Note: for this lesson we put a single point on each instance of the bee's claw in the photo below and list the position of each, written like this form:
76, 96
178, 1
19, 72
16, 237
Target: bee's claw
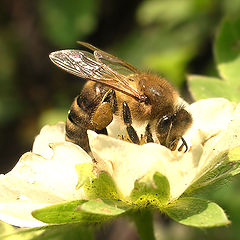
184, 143
174, 144
181, 147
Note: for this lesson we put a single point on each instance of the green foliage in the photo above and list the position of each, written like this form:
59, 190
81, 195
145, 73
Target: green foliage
9, 97
51, 232
227, 164
101, 187
197, 213
187, 210
104, 207
174, 12
144, 223
169, 35
209, 87
68, 212
92, 211
156, 195
64, 22
227, 54
227, 51
52, 116
162, 53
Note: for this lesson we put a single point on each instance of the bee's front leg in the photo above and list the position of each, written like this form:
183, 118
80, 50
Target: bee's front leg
127, 118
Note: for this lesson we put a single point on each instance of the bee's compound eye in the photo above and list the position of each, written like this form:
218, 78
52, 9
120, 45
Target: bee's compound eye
164, 124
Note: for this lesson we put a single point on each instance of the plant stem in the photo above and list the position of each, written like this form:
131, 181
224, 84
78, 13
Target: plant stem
144, 223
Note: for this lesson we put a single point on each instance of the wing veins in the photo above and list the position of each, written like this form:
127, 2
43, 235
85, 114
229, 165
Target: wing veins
86, 65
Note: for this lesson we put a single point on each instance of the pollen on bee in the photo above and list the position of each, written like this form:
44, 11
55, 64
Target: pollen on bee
126, 138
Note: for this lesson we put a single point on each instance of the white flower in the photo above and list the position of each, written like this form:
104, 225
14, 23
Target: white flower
47, 174
42, 177
214, 119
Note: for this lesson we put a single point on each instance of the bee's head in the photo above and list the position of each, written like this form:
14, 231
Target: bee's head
170, 128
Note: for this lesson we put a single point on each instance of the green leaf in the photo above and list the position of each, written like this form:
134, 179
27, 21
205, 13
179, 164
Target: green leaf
197, 213
53, 232
144, 194
225, 165
163, 54
172, 61
150, 12
64, 22
104, 207
101, 187
227, 52
68, 212
208, 87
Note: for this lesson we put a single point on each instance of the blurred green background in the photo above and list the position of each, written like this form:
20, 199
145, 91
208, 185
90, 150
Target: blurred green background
171, 37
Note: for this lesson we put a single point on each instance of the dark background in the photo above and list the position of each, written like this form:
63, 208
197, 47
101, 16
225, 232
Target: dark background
171, 37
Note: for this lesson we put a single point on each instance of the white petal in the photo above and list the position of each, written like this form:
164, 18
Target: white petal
36, 182
48, 134
228, 139
210, 117
127, 162
120, 159
19, 215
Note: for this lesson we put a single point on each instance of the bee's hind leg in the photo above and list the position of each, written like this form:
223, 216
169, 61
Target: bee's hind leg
127, 118
103, 114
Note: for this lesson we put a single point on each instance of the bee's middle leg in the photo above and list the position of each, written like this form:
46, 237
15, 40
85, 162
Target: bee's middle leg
148, 134
127, 118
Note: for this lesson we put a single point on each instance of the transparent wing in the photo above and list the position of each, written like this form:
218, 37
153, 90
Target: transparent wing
91, 66
109, 57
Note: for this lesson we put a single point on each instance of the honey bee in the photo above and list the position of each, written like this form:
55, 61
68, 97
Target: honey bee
119, 92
